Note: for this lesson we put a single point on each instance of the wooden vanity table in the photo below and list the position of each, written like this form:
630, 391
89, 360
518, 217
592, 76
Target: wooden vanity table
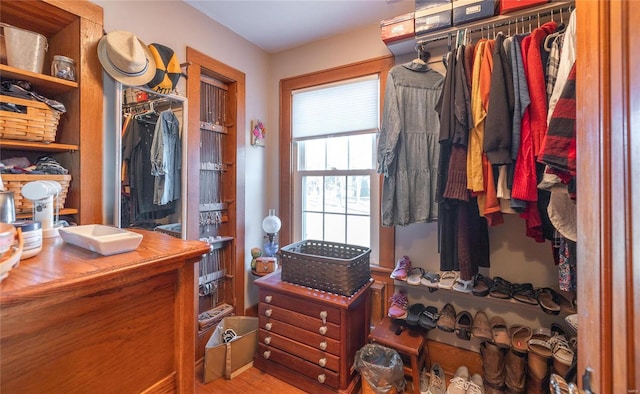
74, 321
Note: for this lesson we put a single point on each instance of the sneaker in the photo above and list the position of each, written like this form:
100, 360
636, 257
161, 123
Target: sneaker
403, 267
399, 304
475, 385
460, 381
434, 381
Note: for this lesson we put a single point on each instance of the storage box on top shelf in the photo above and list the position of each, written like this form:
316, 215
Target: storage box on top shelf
465, 11
435, 17
424, 4
507, 6
398, 28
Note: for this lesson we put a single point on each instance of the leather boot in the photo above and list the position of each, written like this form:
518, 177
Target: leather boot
493, 367
515, 371
537, 385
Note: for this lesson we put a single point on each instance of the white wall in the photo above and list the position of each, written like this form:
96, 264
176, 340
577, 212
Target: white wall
177, 25
174, 24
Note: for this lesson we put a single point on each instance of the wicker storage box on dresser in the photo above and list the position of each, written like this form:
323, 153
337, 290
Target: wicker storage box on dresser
308, 337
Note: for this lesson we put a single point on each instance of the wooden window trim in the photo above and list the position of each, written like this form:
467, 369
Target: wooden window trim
380, 66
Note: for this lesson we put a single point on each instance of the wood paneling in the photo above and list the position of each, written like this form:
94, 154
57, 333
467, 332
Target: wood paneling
73, 320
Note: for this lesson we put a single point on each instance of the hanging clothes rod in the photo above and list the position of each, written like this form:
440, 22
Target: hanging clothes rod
488, 25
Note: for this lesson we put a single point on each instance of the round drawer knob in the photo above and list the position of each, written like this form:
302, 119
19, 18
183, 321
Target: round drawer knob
323, 316
268, 312
321, 378
322, 362
323, 330
266, 354
323, 346
268, 299
268, 326
267, 340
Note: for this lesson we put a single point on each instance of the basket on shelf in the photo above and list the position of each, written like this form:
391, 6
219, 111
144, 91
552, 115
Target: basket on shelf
333, 267
14, 183
39, 123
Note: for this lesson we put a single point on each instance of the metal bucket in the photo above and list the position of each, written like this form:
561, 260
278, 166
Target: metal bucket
25, 49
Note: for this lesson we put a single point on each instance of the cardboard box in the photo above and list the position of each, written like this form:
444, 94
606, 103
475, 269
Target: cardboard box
397, 28
433, 18
465, 11
229, 359
507, 6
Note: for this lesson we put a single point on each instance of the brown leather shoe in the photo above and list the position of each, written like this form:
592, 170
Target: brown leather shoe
492, 366
481, 329
464, 321
447, 320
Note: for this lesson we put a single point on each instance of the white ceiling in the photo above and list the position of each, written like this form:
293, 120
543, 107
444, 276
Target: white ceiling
279, 25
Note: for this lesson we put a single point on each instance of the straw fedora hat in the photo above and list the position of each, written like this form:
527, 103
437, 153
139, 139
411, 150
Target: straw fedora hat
126, 58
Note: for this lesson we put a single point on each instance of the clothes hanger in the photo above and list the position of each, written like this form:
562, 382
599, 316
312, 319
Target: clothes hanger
423, 56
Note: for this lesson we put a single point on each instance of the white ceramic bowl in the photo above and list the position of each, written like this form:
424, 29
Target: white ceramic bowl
98, 238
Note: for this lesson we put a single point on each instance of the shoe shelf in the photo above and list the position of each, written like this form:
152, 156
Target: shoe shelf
513, 311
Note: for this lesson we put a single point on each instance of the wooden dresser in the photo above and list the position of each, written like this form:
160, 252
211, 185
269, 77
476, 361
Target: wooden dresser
309, 338
75, 321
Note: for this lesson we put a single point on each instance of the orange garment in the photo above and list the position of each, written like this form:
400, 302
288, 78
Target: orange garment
476, 134
491, 205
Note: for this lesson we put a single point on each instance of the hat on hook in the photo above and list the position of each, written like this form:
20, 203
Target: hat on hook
562, 212
168, 69
126, 58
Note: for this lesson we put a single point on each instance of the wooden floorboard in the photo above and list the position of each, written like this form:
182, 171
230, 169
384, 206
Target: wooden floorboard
249, 382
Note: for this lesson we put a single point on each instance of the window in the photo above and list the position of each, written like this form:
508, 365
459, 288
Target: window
334, 136
329, 186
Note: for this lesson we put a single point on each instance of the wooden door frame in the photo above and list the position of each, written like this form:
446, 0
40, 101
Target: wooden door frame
608, 126
201, 64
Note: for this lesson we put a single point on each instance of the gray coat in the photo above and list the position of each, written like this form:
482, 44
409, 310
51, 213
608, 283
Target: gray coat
408, 147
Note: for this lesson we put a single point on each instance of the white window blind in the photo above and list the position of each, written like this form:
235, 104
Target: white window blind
344, 107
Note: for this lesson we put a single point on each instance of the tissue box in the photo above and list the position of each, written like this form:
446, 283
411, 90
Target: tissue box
465, 11
432, 18
397, 28
514, 5
229, 359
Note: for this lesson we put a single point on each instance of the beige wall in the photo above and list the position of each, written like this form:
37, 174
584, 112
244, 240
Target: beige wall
173, 23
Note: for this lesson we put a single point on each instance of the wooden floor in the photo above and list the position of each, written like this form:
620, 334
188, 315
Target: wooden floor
249, 382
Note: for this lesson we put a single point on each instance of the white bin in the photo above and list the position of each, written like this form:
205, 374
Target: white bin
25, 49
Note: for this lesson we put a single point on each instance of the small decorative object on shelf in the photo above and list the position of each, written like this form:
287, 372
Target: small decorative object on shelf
271, 225
255, 253
258, 133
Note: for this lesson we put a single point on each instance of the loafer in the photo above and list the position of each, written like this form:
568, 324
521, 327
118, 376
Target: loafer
499, 332
447, 320
480, 328
464, 321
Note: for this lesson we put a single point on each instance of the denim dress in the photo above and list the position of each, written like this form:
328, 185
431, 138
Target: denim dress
408, 147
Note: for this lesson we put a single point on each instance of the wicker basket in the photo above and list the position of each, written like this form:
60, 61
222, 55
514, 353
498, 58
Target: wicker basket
40, 123
14, 183
333, 267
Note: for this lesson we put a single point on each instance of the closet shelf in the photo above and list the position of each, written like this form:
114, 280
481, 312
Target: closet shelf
486, 300
45, 85
40, 146
526, 16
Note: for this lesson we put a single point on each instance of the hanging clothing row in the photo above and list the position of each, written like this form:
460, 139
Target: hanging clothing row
502, 146
151, 165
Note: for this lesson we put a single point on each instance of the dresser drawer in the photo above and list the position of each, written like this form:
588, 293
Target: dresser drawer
322, 376
288, 345
308, 323
313, 339
319, 311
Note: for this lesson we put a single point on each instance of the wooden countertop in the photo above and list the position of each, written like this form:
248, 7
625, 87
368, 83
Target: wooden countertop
62, 267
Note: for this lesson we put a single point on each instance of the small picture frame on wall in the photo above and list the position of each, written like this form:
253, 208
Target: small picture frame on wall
258, 133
